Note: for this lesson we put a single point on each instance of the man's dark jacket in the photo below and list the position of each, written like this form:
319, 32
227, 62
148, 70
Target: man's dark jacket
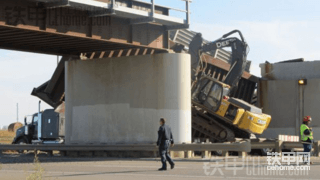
164, 134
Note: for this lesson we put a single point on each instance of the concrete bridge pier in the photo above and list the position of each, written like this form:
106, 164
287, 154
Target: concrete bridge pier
120, 100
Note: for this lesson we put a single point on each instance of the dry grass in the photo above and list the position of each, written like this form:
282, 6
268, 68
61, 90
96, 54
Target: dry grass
38, 170
6, 137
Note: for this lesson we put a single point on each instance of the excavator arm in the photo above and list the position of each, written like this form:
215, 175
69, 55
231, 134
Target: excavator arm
238, 55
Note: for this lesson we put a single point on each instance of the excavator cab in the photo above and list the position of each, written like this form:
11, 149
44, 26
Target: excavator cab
210, 92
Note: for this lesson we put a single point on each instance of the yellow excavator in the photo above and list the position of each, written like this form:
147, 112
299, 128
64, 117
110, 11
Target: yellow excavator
215, 114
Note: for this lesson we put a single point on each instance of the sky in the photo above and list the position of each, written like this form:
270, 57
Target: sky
275, 30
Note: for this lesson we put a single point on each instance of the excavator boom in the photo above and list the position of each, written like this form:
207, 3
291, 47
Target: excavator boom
238, 60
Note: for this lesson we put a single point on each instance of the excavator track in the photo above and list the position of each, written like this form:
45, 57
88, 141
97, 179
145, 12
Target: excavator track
207, 126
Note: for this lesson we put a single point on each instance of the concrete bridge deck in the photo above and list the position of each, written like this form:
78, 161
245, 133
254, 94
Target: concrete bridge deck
70, 27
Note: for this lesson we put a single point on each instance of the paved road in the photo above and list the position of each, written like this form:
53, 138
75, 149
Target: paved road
15, 167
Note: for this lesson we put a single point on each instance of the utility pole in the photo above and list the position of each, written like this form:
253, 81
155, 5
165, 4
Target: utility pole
17, 112
57, 60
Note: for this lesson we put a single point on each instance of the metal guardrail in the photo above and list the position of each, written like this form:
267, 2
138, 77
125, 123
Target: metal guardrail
118, 7
261, 145
279, 145
243, 146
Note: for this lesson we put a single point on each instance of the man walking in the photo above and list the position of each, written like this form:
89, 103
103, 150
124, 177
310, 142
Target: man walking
164, 140
306, 135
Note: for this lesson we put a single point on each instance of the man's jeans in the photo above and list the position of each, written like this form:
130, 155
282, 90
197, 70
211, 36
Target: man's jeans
163, 151
307, 147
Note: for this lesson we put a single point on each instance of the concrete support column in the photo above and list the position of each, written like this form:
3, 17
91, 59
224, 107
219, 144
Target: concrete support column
317, 148
206, 154
120, 100
225, 154
188, 154
279, 146
242, 154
